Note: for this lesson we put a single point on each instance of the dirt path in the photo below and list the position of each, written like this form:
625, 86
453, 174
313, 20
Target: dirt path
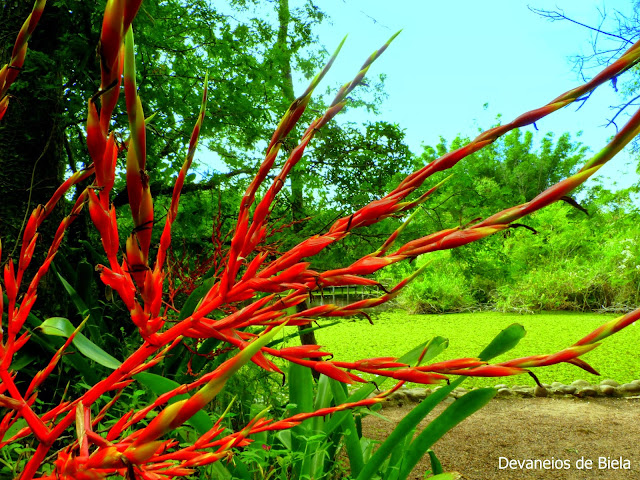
562, 431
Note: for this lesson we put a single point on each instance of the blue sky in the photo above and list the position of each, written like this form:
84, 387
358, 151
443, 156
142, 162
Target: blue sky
453, 57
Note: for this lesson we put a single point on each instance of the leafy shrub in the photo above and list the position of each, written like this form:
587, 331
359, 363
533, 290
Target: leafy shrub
443, 288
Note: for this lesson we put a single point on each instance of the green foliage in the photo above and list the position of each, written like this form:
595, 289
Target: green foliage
563, 260
442, 288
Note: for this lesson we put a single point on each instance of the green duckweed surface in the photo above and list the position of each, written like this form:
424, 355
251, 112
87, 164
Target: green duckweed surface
394, 333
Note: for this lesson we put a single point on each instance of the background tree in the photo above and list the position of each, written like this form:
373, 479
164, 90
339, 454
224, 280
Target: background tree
614, 33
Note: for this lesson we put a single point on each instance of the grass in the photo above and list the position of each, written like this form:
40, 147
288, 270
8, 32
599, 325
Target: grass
395, 333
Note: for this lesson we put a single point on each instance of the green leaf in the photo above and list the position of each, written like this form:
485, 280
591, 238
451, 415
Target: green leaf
160, 385
15, 428
285, 437
346, 421
62, 327
504, 341
301, 394
49, 344
82, 277
436, 466
452, 416
198, 294
77, 301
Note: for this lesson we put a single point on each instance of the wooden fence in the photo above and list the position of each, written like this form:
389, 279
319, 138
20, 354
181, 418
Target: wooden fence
349, 294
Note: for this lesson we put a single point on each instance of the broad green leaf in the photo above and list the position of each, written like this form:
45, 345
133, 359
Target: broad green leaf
395, 460
62, 327
49, 344
160, 385
452, 416
503, 342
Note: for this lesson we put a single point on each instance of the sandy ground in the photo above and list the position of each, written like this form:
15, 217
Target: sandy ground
568, 432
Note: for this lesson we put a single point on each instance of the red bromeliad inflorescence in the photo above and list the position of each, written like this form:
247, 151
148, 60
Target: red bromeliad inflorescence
133, 446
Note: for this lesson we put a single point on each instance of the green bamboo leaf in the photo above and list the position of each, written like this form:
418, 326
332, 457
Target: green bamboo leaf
160, 385
62, 327
452, 416
285, 437
503, 342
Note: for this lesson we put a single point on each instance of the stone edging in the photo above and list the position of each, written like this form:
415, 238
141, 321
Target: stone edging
579, 388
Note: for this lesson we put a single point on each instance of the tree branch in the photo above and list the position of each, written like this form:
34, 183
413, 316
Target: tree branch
122, 198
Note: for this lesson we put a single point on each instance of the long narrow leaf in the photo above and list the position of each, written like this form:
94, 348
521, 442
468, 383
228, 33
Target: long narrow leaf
452, 416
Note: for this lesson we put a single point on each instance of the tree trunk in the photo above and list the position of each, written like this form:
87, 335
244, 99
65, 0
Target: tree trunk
297, 184
31, 132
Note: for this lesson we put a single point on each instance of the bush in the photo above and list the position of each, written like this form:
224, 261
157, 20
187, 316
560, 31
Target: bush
442, 288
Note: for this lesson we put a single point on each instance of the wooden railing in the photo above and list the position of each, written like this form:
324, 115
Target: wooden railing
349, 294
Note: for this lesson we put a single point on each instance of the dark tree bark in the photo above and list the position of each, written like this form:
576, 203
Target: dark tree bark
31, 133
297, 199
31, 140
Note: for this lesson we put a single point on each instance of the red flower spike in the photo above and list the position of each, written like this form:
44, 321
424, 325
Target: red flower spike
112, 34
610, 328
304, 351
10, 285
1, 316
96, 136
489, 371
32, 225
100, 218
121, 283
451, 364
380, 362
27, 254
137, 267
4, 103
334, 372
413, 375
583, 365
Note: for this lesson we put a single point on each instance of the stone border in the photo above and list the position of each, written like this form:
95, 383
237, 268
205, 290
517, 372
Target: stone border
578, 388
